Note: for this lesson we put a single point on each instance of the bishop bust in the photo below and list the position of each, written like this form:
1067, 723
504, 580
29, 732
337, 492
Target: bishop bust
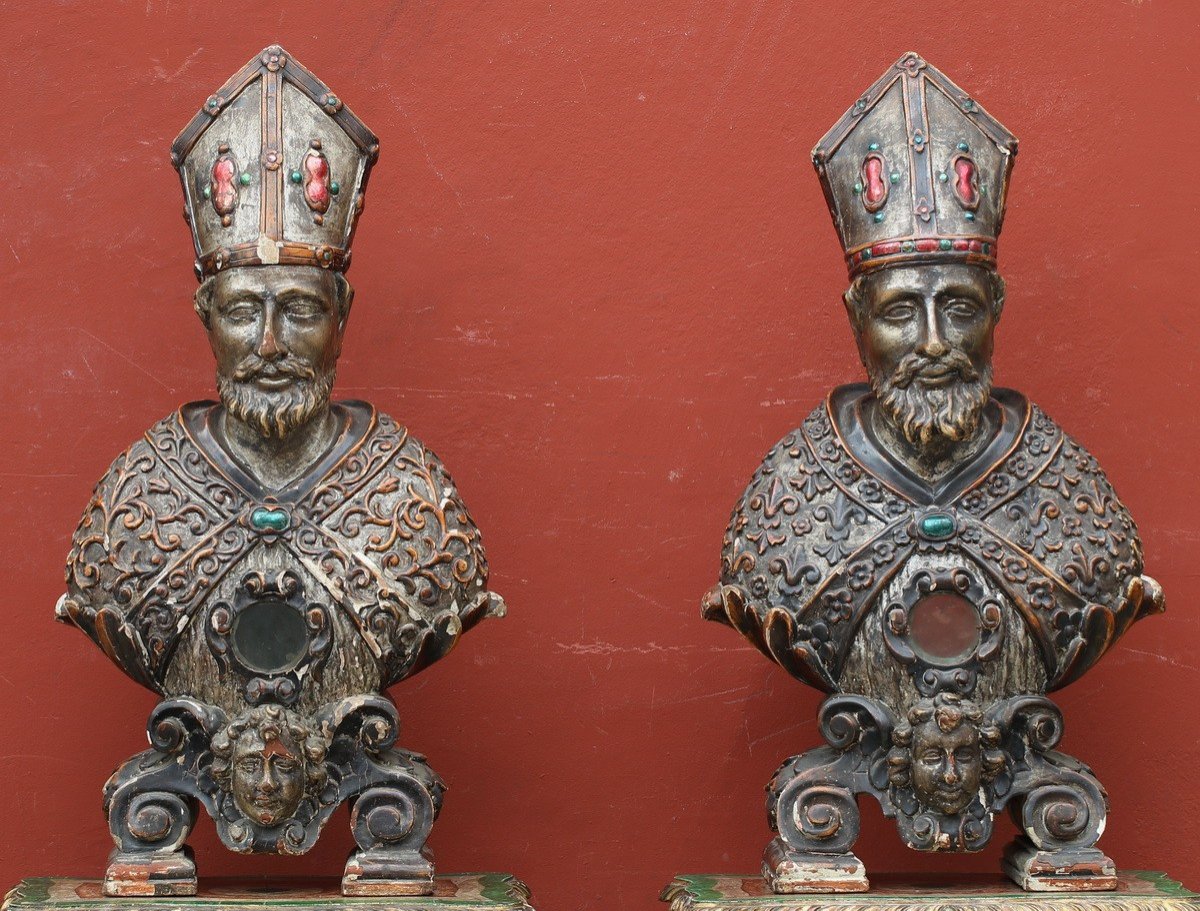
933, 552
271, 562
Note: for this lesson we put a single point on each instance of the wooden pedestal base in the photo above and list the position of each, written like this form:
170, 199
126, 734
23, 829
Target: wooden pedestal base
389, 872
1133, 891
1078, 870
451, 892
789, 872
168, 873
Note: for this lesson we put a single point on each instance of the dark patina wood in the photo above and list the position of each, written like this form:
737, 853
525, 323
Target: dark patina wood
270, 563
933, 552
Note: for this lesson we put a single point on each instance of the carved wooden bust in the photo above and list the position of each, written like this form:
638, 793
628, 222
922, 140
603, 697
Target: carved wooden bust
271, 562
935, 553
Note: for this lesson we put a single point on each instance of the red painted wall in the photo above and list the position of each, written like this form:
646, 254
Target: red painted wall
597, 276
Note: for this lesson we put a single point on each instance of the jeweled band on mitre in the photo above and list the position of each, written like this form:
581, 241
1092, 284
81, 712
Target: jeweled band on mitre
882, 253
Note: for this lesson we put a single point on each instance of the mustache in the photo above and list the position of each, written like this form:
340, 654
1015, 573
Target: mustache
278, 412
252, 366
913, 364
924, 414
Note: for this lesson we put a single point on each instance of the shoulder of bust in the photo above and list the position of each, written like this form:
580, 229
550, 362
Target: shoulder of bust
1068, 514
1039, 420
1072, 457
1043, 427
139, 456
408, 454
387, 429
816, 425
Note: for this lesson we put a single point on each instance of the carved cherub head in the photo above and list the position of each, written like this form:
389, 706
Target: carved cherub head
944, 752
925, 334
269, 759
276, 332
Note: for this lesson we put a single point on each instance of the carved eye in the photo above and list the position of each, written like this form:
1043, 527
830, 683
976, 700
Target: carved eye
303, 310
240, 313
251, 764
964, 754
898, 312
962, 307
931, 757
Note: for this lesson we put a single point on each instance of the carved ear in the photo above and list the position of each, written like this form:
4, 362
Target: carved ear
998, 292
345, 297
852, 299
202, 302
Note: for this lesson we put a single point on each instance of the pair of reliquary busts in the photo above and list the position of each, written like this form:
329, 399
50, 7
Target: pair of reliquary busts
934, 553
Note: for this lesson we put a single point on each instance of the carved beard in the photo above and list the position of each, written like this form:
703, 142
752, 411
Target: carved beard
275, 412
924, 413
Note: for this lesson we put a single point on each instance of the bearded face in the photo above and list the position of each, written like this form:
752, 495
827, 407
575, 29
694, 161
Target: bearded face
275, 411
928, 399
276, 332
925, 336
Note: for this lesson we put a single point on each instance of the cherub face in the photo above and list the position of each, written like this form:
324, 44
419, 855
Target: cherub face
947, 766
267, 779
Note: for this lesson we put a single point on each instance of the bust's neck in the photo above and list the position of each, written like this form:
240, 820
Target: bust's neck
936, 459
277, 461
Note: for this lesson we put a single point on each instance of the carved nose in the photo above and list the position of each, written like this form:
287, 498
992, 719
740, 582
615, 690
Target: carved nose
951, 775
268, 347
935, 347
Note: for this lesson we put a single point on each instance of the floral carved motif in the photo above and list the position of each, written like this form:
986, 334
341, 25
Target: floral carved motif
384, 532
818, 532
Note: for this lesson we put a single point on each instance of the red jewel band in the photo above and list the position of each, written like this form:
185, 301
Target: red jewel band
889, 252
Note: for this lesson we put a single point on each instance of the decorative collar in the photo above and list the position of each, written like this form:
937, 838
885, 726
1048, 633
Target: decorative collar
355, 420
1008, 410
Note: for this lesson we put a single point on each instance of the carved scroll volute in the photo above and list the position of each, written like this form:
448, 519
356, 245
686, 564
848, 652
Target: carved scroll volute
811, 800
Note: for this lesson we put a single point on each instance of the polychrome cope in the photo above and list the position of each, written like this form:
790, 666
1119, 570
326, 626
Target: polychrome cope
373, 544
829, 523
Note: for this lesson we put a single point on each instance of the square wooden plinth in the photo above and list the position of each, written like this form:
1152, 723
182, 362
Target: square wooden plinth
452, 892
1136, 891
